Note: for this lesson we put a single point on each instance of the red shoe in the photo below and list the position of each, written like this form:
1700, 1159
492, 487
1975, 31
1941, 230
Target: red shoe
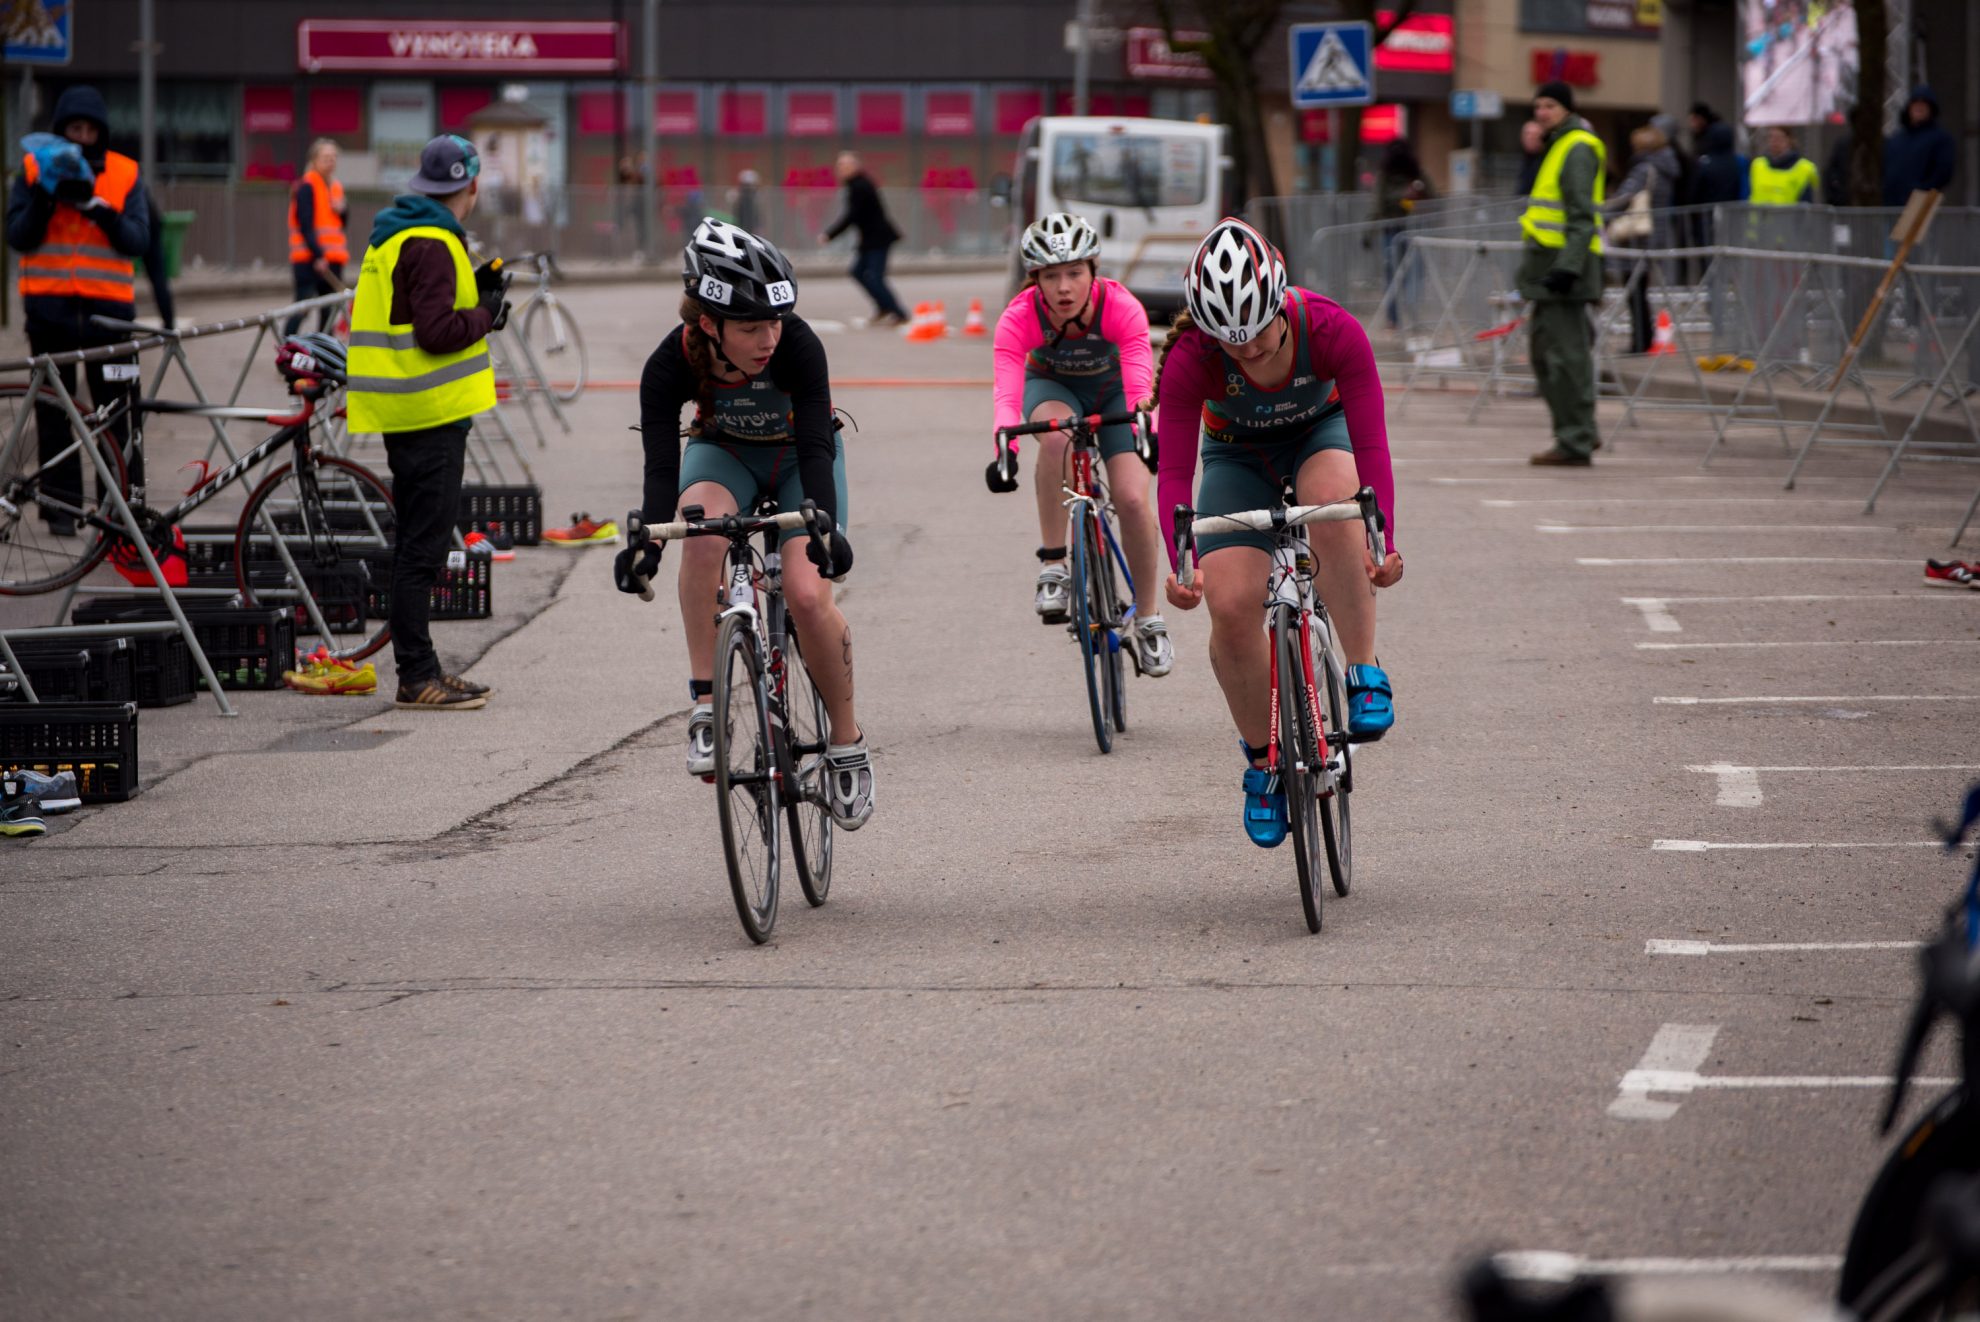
124, 558
1951, 574
480, 545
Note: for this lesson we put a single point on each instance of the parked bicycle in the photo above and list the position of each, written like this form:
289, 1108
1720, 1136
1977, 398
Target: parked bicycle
1100, 613
549, 330
1309, 751
314, 516
771, 732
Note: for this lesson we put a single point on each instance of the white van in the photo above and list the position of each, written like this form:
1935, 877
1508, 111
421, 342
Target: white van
1152, 187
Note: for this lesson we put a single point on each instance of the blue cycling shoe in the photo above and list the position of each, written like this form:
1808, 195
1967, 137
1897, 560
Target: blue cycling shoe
1371, 704
1264, 808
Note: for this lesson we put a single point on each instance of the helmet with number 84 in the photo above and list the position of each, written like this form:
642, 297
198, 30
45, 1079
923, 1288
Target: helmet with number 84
1236, 283
1058, 238
736, 275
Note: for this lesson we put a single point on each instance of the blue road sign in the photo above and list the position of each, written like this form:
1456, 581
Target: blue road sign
1333, 64
38, 31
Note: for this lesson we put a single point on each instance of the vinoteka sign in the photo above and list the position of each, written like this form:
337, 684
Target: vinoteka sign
432, 46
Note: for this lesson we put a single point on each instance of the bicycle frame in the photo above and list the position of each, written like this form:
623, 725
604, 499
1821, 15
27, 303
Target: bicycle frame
1087, 497
1292, 608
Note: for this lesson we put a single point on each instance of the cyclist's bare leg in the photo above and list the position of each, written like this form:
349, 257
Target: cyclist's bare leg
1050, 480
825, 637
1234, 581
1128, 480
1340, 556
701, 579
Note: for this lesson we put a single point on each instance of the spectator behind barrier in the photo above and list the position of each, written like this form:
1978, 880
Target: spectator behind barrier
1920, 154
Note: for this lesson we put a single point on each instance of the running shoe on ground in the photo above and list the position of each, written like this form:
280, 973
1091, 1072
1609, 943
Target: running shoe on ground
56, 793
332, 677
701, 741
1950, 574
481, 544
849, 783
1154, 654
1264, 808
1054, 600
18, 815
584, 531
437, 695
1371, 704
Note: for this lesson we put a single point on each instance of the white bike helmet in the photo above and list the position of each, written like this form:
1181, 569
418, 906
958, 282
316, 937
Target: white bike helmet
1058, 238
1236, 283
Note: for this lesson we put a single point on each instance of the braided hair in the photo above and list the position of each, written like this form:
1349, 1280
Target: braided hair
700, 353
1183, 322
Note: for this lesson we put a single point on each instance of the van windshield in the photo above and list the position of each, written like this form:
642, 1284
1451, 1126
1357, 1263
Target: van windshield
1122, 170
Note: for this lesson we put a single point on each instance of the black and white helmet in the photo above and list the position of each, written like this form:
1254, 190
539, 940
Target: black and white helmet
1058, 238
311, 361
1236, 283
736, 274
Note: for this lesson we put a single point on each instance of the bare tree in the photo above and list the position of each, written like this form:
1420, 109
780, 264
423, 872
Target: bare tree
1866, 117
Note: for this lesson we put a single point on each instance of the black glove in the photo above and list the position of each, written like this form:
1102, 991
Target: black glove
490, 275
840, 555
1145, 448
1559, 281
1001, 475
634, 567
495, 303
74, 191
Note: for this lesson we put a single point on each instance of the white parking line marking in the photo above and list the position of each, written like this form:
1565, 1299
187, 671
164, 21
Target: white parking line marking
1701, 846
1709, 527
1662, 946
1657, 617
1871, 697
1676, 1048
1744, 560
1812, 642
1739, 786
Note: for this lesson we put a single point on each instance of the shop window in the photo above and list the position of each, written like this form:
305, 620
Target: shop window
677, 113
879, 113
458, 104
1016, 107
743, 113
811, 113
336, 112
948, 113
598, 112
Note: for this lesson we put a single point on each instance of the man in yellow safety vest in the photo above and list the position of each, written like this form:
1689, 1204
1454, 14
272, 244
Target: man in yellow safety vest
1560, 272
1783, 177
418, 373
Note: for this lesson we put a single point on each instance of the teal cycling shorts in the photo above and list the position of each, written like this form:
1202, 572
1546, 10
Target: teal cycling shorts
748, 471
1104, 396
1247, 475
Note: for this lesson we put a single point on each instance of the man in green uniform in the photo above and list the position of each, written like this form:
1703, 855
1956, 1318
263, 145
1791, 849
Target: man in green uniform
1560, 273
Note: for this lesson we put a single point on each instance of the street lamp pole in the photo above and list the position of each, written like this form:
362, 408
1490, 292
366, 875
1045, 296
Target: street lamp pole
147, 92
649, 133
1083, 58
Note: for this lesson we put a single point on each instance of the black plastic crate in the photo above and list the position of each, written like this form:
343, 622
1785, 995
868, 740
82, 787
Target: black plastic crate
516, 510
464, 589
248, 646
204, 552
79, 670
96, 740
339, 591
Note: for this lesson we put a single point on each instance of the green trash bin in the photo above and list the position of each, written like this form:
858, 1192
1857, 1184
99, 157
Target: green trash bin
174, 243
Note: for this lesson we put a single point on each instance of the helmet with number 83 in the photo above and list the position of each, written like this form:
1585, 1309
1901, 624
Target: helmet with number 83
1236, 283
736, 275
311, 362
1058, 238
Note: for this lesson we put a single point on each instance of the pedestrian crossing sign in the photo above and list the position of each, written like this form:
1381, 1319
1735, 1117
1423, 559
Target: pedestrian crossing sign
1332, 64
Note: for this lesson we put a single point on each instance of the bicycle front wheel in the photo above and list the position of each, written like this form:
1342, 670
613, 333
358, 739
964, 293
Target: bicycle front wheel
49, 536
746, 776
1109, 579
807, 806
1298, 764
559, 350
319, 536
1089, 626
1335, 825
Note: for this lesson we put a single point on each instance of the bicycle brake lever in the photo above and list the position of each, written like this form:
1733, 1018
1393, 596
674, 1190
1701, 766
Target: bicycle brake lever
1185, 545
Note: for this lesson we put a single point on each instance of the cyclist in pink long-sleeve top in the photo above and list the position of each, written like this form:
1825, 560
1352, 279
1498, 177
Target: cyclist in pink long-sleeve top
1274, 383
1073, 344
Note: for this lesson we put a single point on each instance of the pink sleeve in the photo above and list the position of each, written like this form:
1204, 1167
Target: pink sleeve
1186, 383
1341, 351
1017, 336
1125, 322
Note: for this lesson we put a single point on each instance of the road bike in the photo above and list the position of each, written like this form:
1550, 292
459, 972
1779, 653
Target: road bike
1309, 749
1101, 615
771, 730
549, 330
311, 517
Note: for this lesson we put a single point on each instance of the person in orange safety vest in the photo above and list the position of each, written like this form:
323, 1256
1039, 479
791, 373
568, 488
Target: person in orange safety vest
318, 249
77, 231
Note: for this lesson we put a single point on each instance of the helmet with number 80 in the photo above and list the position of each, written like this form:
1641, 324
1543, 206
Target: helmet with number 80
1236, 283
736, 275
1058, 238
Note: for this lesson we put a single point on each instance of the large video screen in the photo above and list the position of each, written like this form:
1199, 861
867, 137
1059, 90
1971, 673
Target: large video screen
1798, 60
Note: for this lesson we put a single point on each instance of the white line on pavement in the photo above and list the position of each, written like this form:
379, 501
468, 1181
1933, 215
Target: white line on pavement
1847, 697
1811, 642
1663, 946
1745, 560
1656, 614
1709, 527
1739, 786
1701, 846
1506, 504
1547, 1265
1676, 1047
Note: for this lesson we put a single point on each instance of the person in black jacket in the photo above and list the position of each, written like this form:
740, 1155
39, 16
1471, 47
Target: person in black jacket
1920, 154
865, 213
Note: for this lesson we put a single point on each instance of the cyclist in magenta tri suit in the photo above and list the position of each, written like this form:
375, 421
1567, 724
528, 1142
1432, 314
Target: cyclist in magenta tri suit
1073, 344
1274, 383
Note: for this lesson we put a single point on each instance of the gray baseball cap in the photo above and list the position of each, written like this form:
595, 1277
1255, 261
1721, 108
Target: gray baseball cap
447, 164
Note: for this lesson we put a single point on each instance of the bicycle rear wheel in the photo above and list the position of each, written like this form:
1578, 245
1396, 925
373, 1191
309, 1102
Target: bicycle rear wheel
559, 350
335, 520
746, 777
1335, 824
1297, 765
807, 810
33, 557
1088, 627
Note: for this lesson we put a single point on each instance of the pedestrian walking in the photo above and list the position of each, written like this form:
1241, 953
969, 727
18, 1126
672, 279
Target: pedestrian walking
1560, 272
866, 213
1641, 205
1920, 154
419, 372
78, 214
318, 249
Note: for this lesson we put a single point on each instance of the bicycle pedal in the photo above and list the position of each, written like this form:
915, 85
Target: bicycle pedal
1370, 737
708, 780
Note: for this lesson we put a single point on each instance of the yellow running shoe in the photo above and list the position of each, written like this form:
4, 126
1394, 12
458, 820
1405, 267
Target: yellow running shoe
584, 531
335, 677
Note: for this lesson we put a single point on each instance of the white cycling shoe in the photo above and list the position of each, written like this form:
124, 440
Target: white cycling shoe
1154, 654
701, 741
849, 783
1054, 600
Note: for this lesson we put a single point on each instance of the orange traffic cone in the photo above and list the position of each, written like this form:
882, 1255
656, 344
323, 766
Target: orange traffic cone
930, 323
973, 323
916, 327
1665, 338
